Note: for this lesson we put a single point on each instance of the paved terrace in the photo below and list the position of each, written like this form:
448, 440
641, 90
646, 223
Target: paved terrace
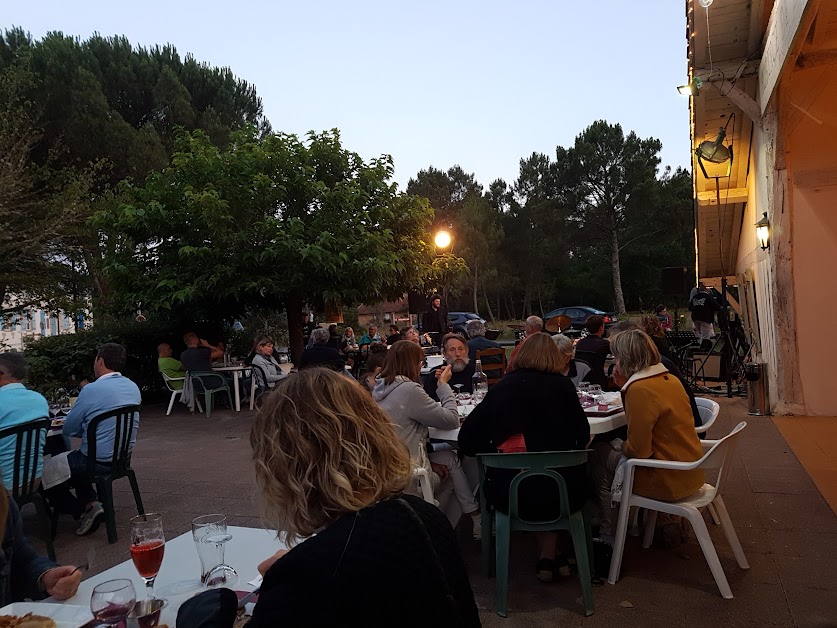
189, 465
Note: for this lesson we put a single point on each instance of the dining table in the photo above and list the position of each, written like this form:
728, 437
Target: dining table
600, 423
179, 576
238, 371
431, 362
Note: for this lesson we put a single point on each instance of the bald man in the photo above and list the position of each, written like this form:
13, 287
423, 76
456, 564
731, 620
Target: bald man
533, 325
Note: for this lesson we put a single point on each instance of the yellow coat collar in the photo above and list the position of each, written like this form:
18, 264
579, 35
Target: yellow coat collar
651, 371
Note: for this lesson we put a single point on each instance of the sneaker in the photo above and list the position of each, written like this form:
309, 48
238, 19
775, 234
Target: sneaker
563, 566
90, 519
546, 570
477, 527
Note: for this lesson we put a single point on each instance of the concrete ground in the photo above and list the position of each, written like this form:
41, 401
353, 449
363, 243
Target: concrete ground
190, 465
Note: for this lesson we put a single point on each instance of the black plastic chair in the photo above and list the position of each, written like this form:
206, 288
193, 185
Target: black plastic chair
120, 462
596, 363
29, 451
262, 386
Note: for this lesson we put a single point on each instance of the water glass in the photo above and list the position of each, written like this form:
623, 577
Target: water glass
113, 600
210, 535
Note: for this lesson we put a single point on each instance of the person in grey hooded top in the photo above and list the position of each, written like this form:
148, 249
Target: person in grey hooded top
412, 411
399, 394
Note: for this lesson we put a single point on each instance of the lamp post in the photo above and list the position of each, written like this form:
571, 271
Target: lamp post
443, 241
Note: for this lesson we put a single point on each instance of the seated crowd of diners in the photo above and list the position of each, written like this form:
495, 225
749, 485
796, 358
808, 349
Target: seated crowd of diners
319, 425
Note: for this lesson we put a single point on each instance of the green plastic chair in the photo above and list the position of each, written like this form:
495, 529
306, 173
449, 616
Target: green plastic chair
210, 383
28, 452
578, 523
120, 462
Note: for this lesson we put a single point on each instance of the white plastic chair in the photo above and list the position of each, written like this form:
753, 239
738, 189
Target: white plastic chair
176, 391
709, 410
420, 474
718, 456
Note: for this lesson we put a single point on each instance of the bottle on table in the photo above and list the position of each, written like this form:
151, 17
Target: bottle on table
480, 382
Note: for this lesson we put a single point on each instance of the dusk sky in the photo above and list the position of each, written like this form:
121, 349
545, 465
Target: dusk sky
479, 84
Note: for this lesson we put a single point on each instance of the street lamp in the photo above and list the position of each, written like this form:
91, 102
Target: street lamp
442, 239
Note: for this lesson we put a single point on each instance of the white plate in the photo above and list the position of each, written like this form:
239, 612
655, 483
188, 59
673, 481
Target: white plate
65, 615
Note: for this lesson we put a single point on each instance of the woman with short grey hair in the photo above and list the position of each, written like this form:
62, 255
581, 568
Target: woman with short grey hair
567, 348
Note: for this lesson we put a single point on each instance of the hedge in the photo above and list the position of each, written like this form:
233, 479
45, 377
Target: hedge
59, 363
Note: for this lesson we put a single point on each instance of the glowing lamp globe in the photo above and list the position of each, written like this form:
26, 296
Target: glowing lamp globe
442, 240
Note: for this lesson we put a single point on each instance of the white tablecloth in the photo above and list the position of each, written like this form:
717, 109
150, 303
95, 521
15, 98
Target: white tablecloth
237, 373
598, 425
432, 362
179, 577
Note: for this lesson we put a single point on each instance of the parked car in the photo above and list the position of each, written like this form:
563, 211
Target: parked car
579, 315
458, 320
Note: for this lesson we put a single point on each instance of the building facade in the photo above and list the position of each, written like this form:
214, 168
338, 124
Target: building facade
33, 323
768, 70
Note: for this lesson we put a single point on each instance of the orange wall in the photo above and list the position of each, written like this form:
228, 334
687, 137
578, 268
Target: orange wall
813, 148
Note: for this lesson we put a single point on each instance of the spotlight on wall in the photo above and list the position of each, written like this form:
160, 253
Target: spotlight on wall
763, 232
692, 88
714, 151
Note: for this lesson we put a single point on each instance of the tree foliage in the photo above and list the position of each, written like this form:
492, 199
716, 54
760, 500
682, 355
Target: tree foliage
79, 117
266, 221
594, 226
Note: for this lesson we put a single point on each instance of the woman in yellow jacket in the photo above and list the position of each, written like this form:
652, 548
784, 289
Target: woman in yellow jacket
660, 426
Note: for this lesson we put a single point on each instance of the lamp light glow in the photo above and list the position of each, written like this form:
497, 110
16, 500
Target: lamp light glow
763, 232
706, 3
692, 88
442, 239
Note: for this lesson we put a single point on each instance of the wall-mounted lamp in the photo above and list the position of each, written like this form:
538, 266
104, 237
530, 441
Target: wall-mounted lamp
763, 232
714, 151
692, 88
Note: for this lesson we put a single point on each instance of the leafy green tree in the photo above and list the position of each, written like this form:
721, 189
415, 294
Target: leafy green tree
102, 111
610, 180
267, 221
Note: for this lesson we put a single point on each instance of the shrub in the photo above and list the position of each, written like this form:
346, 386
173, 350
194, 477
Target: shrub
61, 362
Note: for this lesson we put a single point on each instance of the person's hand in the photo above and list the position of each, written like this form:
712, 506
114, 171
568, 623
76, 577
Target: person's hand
440, 469
61, 582
443, 374
82, 384
268, 563
618, 379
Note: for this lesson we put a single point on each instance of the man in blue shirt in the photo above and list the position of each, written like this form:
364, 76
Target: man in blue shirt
108, 392
17, 405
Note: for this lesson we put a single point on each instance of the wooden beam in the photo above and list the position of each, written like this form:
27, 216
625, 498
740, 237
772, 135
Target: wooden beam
814, 59
812, 179
740, 99
789, 24
755, 36
729, 70
733, 195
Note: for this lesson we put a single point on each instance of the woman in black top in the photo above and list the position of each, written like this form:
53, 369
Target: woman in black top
332, 470
651, 326
533, 408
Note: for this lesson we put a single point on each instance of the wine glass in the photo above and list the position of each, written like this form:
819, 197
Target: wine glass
148, 544
458, 389
112, 601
